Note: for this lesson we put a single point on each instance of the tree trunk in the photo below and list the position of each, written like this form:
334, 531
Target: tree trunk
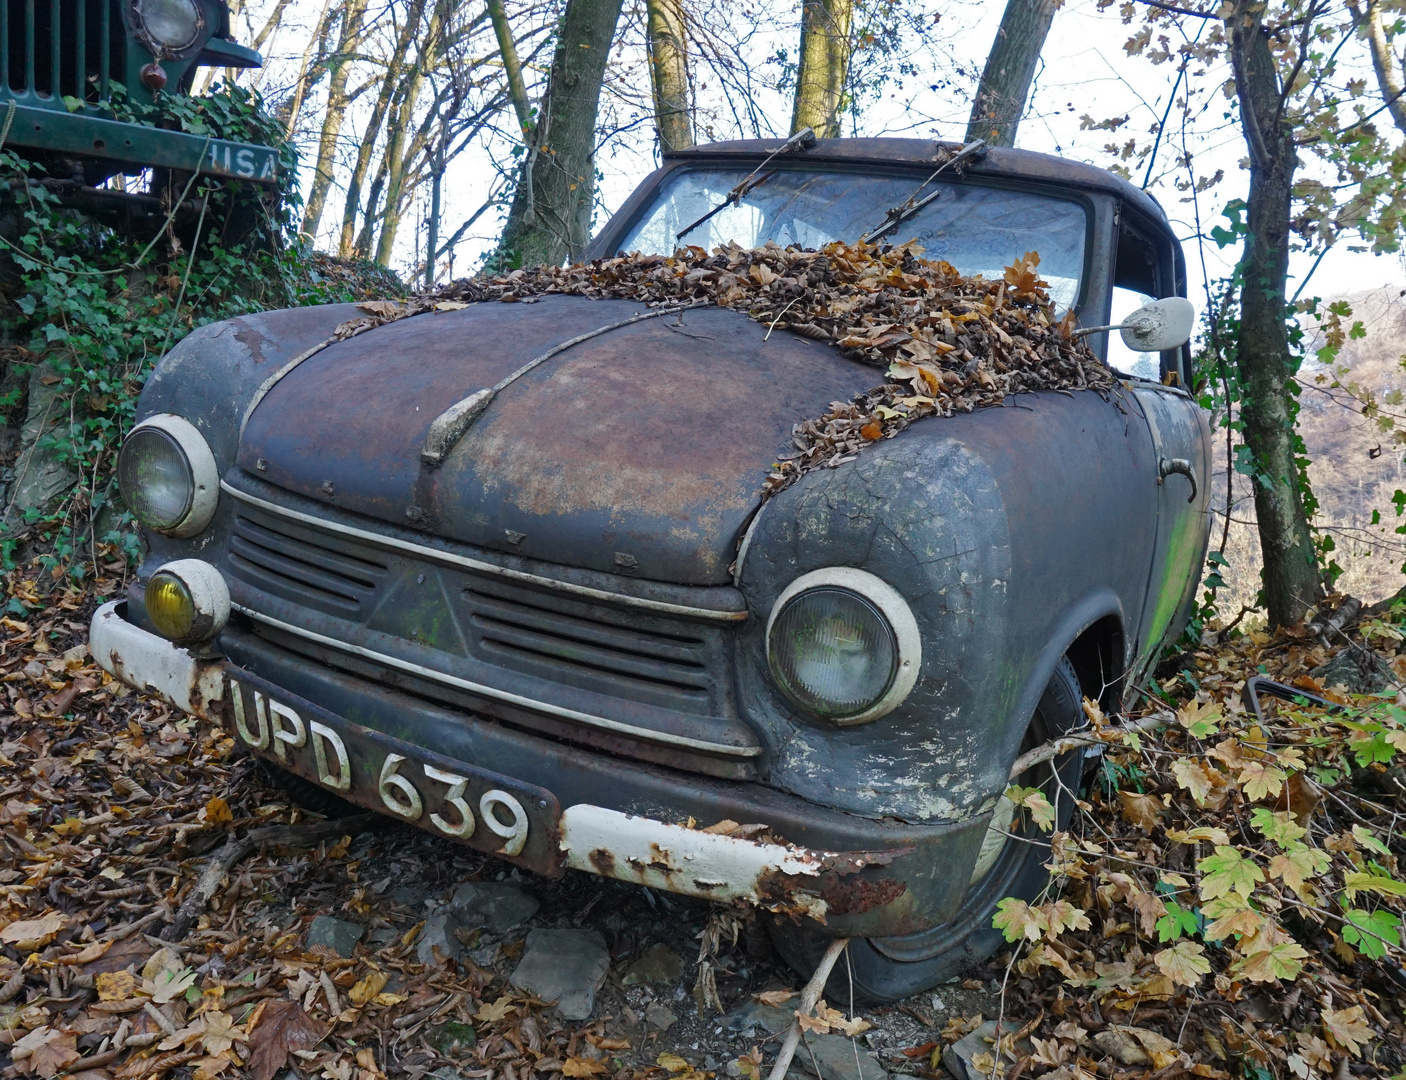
340, 67
1265, 361
1010, 69
309, 74
512, 66
397, 157
550, 219
389, 82
824, 66
1384, 61
668, 66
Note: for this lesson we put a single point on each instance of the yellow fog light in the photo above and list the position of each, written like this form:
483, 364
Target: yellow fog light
187, 601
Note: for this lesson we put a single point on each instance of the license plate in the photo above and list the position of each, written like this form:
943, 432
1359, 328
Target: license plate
455, 799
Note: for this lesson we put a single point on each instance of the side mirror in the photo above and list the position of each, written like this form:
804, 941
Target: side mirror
1162, 324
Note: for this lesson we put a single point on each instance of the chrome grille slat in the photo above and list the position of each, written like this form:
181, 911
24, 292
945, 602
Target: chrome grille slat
610, 662
531, 618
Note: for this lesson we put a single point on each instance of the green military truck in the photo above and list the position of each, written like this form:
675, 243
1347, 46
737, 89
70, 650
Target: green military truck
70, 68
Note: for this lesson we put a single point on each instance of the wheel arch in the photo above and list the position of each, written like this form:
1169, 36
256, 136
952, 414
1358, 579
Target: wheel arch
1091, 634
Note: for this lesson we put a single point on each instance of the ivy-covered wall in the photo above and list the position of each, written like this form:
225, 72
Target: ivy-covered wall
89, 303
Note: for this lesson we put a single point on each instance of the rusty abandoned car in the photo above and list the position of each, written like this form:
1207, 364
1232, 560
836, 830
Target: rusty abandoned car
561, 631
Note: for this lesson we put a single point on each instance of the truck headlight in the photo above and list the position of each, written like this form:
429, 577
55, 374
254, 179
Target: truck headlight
168, 476
843, 645
171, 25
187, 601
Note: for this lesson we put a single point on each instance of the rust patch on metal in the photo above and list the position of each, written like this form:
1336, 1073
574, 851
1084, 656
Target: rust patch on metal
251, 339
856, 895
603, 861
838, 886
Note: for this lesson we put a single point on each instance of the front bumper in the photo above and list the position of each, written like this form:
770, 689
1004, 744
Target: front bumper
579, 809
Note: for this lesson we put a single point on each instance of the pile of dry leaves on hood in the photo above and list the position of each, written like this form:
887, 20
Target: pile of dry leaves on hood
949, 343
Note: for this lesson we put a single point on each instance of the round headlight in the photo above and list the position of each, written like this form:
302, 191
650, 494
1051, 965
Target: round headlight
187, 601
168, 476
843, 645
172, 25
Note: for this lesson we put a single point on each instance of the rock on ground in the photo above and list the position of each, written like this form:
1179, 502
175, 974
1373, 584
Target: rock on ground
437, 942
658, 965
497, 906
339, 936
41, 474
835, 1057
565, 966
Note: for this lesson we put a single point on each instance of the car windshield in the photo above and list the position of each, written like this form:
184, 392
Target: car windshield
979, 230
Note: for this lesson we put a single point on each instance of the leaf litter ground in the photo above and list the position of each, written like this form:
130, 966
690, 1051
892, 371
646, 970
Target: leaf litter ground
1284, 832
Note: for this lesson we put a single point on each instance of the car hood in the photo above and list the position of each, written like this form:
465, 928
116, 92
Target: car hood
640, 451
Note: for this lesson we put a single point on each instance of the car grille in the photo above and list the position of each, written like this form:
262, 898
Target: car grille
62, 48
652, 671
514, 627
303, 566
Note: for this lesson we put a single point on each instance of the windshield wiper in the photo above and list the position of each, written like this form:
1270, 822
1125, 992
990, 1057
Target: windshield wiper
801, 140
912, 205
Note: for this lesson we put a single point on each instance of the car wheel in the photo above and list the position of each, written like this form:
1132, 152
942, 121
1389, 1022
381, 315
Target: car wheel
307, 794
889, 969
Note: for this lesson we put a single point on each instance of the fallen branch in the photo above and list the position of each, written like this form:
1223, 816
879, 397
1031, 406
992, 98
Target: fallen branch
809, 996
1329, 623
1051, 750
235, 851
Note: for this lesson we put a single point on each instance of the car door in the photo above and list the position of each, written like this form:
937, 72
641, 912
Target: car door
1181, 444
1148, 265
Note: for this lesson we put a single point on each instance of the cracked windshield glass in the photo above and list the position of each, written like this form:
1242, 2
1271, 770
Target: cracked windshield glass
979, 230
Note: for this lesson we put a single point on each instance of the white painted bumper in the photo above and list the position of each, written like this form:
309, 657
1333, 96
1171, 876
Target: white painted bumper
595, 839
145, 661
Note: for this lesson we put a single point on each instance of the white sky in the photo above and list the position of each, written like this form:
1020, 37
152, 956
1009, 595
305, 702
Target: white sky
1085, 70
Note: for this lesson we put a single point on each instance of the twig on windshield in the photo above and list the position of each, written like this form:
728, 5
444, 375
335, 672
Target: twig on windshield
800, 140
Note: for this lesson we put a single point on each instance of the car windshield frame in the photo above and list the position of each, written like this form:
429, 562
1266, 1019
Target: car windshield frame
620, 228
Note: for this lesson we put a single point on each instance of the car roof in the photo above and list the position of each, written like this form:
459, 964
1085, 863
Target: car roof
997, 162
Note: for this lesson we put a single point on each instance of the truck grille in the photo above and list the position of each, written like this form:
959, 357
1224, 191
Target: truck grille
62, 48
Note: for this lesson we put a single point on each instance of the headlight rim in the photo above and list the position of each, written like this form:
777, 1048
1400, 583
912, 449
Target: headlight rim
204, 472
890, 605
162, 50
209, 595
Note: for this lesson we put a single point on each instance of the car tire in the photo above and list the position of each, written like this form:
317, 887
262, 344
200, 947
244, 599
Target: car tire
308, 795
890, 969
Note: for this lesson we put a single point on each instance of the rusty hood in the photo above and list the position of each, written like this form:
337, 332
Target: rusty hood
640, 451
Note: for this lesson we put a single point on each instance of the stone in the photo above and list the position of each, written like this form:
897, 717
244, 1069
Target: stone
566, 967
446, 1036
958, 1057
341, 937
496, 905
1357, 672
42, 473
836, 1057
754, 1015
438, 934
384, 935
659, 964
486, 956
658, 1016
